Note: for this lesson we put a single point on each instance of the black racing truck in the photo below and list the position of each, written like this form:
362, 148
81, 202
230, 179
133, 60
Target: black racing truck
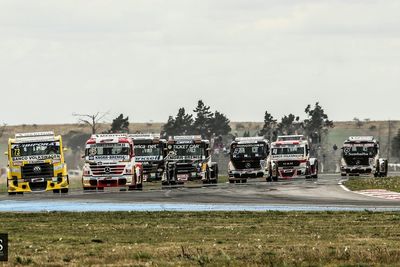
150, 150
248, 158
189, 158
360, 155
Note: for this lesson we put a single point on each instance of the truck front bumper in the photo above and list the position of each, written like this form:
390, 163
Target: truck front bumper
37, 184
112, 181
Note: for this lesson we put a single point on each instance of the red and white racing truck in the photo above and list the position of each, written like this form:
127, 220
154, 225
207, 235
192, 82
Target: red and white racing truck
110, 162
290, 157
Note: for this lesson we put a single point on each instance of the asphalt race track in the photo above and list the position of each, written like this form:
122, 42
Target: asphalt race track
297, 194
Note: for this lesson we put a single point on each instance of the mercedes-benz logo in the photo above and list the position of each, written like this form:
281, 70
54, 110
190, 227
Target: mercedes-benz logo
248, 165
37, 169
358, 162
107, 169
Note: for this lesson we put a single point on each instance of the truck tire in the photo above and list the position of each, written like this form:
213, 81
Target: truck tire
12, 193
139, 186
56, 191
64, 190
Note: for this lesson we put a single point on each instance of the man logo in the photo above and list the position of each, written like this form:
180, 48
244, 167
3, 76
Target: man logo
3, 247
107, 169
37, 169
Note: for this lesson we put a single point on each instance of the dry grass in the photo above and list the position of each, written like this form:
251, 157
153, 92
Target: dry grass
203, 238
363, 183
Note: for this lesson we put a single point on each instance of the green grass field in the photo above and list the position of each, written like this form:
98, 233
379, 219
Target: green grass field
363, 183
203, 238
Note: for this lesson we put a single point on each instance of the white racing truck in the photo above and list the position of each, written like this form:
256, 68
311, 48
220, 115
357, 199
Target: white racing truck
248, 157
110, 162
290, 158
150, 150
189, 158
360, 155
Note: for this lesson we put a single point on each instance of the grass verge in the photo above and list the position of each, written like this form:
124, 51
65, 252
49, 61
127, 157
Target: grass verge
203, 238
362, 183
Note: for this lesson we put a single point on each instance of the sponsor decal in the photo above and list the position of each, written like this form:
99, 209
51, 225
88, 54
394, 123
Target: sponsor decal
147, 158
112, 157
37, 157
3, 247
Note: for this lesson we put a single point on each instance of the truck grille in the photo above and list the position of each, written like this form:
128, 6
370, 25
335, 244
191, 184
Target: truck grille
247, 165
104, 170
40, 186
288, 163
355, 161
185, 168
40, 170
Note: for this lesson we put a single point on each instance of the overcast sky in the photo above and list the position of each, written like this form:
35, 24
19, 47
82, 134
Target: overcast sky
147, 58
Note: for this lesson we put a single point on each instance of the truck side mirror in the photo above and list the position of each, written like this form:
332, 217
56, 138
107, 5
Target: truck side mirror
65, 149
83, 156
6, 153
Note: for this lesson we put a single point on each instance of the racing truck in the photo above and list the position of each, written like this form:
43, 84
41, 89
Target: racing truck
150, 150
360, 155
290, 158
110, 162
189, 158
36, 163
248, 157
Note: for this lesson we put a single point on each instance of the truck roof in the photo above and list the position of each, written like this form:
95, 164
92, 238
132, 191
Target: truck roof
109, 138
289, 142
35, 137
187, 139
298, 137
361, 139
249, 140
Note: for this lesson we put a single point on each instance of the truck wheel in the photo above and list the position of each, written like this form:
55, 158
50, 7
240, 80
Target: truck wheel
275, 178
12, 193
100, 188
139, 187
56, 191
163, 183
269, 179
64, 190
244, 181
85, 189
132, 188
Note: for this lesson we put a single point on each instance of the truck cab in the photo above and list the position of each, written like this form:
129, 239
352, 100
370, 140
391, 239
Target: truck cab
290, 158
150, 150
36, 163
248, 157
110, 162
189, 158
361, 155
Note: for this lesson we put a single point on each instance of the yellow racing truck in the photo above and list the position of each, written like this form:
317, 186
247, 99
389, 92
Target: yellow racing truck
36, 163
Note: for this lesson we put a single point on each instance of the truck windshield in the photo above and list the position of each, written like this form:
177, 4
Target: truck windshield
39, 150
248, 151
188, 151
288, 150
147, 150
359, 150
108, 150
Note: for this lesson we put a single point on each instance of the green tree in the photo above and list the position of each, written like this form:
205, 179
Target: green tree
120, 124
317, 123
269, 128
203, 120
180, 125
219, 124
290, 124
